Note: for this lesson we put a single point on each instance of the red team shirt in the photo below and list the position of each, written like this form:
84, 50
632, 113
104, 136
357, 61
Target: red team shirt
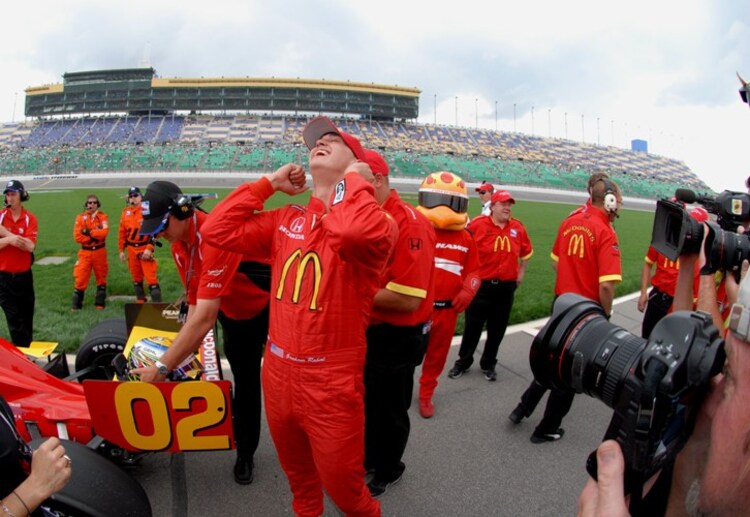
500, 248
12, 259
411, 271
665, 277
587, 253
217, 276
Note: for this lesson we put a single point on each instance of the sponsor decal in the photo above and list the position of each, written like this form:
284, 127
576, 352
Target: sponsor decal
502, 242
576, 245
297, 225
340, 192
302, 261
209, 358
146, 207
415, 243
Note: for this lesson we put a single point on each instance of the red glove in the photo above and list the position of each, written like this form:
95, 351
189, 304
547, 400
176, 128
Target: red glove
467, 293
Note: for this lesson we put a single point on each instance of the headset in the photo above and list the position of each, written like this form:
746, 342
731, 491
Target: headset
610, 196
24, 194
182, 207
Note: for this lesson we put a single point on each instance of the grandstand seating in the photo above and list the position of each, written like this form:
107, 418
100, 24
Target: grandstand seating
264, 142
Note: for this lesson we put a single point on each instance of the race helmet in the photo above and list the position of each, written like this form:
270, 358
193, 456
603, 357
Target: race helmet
444, 199
148, 350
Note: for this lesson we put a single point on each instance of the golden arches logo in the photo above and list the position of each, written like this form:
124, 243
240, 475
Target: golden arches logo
671, 264
309, 258
576, 245
501, 242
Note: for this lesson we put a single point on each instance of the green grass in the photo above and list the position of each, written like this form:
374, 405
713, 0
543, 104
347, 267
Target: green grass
56, 212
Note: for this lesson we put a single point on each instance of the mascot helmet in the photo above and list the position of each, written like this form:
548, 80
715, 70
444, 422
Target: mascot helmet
444, 199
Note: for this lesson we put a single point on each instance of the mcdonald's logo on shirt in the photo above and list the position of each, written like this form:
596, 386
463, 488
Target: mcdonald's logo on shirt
502, 242
576, 246
310, 259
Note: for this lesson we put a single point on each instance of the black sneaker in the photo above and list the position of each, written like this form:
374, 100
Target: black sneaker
517, 414
378, 488
490, 375
547, 437
243, 471
456, 372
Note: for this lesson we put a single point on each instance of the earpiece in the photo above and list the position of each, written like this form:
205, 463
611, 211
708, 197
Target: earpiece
610, 196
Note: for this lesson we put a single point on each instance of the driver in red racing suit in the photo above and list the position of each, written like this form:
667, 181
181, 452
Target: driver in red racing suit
327, 259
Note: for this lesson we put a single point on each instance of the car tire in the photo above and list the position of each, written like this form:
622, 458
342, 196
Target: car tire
103, 342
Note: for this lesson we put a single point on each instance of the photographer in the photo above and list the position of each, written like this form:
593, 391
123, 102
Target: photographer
712, 473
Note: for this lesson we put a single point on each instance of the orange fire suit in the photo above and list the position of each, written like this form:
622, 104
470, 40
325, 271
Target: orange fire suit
136, 244
327, 259
90, 231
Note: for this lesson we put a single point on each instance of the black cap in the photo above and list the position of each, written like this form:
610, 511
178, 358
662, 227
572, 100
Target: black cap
134, 190
14, 186
159, 198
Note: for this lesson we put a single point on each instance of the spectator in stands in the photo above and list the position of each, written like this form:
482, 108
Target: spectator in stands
397, 334
90, 231
485, 191
138, 249
18, 235
327, 258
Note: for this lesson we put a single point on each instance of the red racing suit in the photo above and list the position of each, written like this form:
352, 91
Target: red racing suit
455, 259
90, 231
327, 259
136, 244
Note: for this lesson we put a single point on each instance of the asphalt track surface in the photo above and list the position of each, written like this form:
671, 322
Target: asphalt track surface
469, 459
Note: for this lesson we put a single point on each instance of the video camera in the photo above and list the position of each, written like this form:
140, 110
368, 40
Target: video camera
655, 386
676, 233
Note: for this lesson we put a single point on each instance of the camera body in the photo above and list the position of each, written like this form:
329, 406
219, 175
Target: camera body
676, 233
654, 386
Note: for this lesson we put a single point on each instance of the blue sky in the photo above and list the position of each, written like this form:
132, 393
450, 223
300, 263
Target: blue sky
661, 71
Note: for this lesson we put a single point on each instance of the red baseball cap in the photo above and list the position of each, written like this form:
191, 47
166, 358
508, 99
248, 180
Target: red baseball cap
319, 126
501, 196
376, 162
485, 187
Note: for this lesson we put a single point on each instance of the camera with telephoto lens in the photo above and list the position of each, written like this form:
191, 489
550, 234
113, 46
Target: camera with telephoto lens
654, 386
676, 233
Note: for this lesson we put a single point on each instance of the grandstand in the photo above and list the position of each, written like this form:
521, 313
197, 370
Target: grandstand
131, 134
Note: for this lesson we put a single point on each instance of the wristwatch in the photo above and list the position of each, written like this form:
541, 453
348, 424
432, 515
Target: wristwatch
163, 370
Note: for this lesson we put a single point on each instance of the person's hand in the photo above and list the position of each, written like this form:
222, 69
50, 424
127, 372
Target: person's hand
362, 169
642, 301
50, 468
85, 231
147, 255
122, 256
149, 374
605, 498
289, 178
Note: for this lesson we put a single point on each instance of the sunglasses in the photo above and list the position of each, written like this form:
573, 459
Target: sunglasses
133, 195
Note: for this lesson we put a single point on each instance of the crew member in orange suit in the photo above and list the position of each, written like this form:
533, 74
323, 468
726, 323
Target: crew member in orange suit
90, 231
138, 249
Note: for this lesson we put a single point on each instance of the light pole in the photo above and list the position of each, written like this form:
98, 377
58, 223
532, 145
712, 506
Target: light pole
456, 110
514, 117
532, 121
566, 125
434, 108
549, 122
612, 132
583, 130
496, 116
15, 99
476, 113
597, 132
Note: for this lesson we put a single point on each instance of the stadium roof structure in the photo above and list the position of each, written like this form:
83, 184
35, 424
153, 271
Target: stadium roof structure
139, 91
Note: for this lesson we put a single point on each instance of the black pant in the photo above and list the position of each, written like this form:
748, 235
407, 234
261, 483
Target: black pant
17, 301
243, 346
658, 306
392, 354
558, 405
492, 305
